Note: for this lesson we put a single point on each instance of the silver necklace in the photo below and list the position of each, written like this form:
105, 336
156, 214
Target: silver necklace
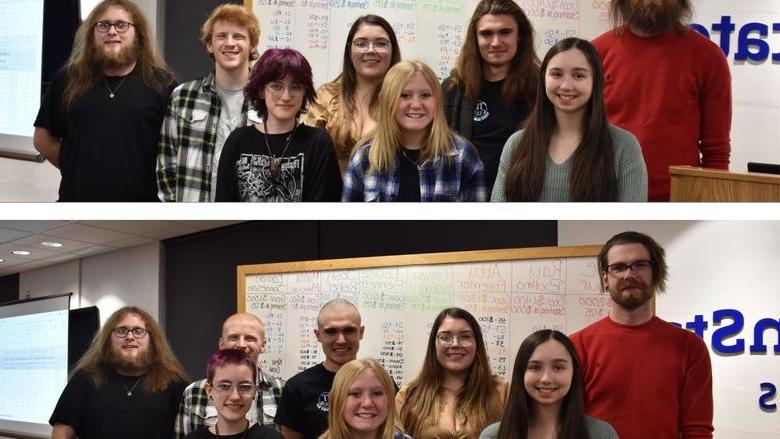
276, 163
414, 162
111, 93
130, 390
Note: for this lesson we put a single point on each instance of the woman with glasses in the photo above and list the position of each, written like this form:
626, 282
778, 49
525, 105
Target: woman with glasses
362, 403
279, 159
231, 378
546, 395
456, 394
567, 151
346, 108
412, 155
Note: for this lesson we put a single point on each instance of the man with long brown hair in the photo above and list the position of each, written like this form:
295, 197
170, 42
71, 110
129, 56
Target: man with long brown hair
669, 86
127, 385
100, 120
491, 90
202, 113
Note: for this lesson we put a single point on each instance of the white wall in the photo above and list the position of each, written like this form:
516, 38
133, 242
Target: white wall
716, 265
109, 280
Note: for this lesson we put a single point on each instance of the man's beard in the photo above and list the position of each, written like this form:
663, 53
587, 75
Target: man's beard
112, 60
138, 364
632, 301
652, 19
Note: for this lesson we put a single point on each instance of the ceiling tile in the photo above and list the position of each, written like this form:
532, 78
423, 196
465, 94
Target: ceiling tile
87, 233
6, 252
68, 245
148, 229
131, 242
32, 226
7, 235
94, 250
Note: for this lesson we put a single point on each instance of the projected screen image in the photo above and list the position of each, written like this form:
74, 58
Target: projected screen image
21, 55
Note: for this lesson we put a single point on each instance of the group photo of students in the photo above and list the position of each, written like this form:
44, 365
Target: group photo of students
602, 381
581, 122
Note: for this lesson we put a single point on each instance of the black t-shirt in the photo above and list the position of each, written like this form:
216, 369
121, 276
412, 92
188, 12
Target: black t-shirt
306, 171
304, 404
109, 145
409, 179
256, 431
107, 411
493, 122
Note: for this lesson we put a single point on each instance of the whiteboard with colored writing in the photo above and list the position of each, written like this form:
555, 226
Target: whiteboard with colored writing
428, 30
511, 293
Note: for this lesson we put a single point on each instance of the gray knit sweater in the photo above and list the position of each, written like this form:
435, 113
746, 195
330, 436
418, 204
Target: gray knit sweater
597, 429
630, 170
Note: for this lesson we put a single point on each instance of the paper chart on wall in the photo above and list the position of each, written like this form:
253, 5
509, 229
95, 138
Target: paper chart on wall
510, 299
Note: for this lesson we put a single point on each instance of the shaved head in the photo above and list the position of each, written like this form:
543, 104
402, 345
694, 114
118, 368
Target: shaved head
242, 317
337, 306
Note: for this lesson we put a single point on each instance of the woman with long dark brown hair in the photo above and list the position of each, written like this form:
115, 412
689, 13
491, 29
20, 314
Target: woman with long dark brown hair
567, 151
545, 398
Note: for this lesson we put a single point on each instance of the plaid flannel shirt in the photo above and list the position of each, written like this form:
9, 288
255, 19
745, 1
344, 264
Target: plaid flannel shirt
458, 176
188, 139
196, 410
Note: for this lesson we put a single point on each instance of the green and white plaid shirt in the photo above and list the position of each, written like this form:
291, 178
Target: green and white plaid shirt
188, 139
196, 410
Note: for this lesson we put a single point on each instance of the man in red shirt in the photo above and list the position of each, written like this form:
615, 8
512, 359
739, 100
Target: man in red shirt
667, 84
646, 377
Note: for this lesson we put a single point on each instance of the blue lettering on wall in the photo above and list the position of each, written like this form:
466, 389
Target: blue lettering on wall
730, 330
751, 39
768, 393
762, 325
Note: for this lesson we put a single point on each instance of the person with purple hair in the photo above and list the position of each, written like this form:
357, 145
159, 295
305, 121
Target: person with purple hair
279, 159
230, 383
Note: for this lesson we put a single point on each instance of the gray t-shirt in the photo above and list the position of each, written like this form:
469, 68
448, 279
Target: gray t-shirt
597, 429
230, 116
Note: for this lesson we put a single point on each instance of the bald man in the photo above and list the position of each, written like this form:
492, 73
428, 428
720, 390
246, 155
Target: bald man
239, 331
303, 413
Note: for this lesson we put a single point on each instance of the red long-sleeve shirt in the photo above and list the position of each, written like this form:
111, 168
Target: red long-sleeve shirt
649, 381
673, 92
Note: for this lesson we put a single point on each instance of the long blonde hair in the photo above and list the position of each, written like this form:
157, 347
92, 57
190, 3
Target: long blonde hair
164, 369
338, 428
83, 72
385, 140
479, 402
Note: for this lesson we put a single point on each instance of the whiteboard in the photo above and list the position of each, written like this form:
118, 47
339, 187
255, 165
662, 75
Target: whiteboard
511, 293
428, 30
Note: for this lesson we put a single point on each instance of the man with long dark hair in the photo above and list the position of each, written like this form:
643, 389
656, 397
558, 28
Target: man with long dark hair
491, 90
645, 376
127, 385
100, 120
202, 113
669, 86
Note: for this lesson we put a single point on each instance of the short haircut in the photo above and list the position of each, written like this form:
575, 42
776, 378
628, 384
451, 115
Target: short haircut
235, 14
241, 315
337, 303
276, 65
657, 255
223, 357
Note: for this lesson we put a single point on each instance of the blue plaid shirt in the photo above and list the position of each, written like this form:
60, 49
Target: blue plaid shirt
458, 176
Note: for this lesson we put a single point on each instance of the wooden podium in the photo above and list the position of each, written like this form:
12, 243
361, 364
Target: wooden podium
714, 185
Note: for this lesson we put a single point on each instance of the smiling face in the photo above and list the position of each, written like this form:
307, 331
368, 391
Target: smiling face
632, 288
339, 332
497, 39
365, 409
456, 345
242, 331
371, 62
549, 373
416, 107
112, 48
232, 390
230, 46
130, 353
283, 100
568, 81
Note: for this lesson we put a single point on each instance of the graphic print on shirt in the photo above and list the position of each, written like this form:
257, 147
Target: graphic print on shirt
322, 401
256, 182
481, 111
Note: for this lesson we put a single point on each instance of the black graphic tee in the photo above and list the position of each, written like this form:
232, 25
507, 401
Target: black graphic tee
304, 404
306, 170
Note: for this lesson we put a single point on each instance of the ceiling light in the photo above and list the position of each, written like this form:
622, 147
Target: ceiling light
2, 260
21, 253
51, 244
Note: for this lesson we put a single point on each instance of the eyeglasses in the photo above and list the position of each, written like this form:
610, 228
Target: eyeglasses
380, 45
122, 331
278, 88
636, 266
105, 26
244, 389
447, 339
